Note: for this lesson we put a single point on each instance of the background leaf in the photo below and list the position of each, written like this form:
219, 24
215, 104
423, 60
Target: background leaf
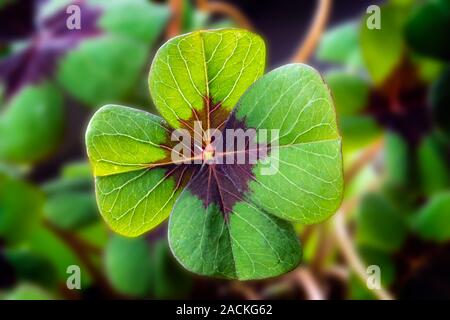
432, 221
31, 124
128, 264
31, 267
433, 166
138, 19
397, 155
350, 92
424, 29
382, 49
71, 210
20, 209
351, 96
49, 245
102, 70
440, 100
341, 45
26, 291
380, 225
170, 281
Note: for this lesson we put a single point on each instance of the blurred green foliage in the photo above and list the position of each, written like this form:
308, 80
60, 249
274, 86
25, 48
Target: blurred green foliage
20, 209
37, 129
49, 221
124, 259
401, 86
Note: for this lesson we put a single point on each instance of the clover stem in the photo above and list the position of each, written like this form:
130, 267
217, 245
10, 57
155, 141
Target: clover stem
202, 4
226, 9
174, 26
246, 291
316, 28
309, 284
339, 230
325, 247
349, 253
343, 240
82, 250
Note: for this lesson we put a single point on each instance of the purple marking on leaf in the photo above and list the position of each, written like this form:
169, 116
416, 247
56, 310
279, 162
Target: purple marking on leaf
50, 42
223, 183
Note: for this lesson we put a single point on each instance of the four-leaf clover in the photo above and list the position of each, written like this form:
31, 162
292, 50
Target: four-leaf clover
226, 220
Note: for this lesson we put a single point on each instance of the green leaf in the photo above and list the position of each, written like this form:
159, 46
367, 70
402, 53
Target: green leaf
341, 45
193, 73
135, 202
188, 16
75, 170
251, 245
20, 209
121, 139
102, 70
128, 264
71, 210
440, 100
74, 177
433, 166
351, 95
382, 48
358, 130
138, 19
97, 234
380, 225
67, 185
432, 222
425, 29
170, 281
26, 291
49, 245
31, 124
70, 202
428, 69
350, 92
32, 267
397, 159
295, 100
123, 146
141, 20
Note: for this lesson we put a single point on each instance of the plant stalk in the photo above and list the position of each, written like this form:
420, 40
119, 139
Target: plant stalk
316, 28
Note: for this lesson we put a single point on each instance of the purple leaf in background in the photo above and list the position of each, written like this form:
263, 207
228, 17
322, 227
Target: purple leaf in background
46, 45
